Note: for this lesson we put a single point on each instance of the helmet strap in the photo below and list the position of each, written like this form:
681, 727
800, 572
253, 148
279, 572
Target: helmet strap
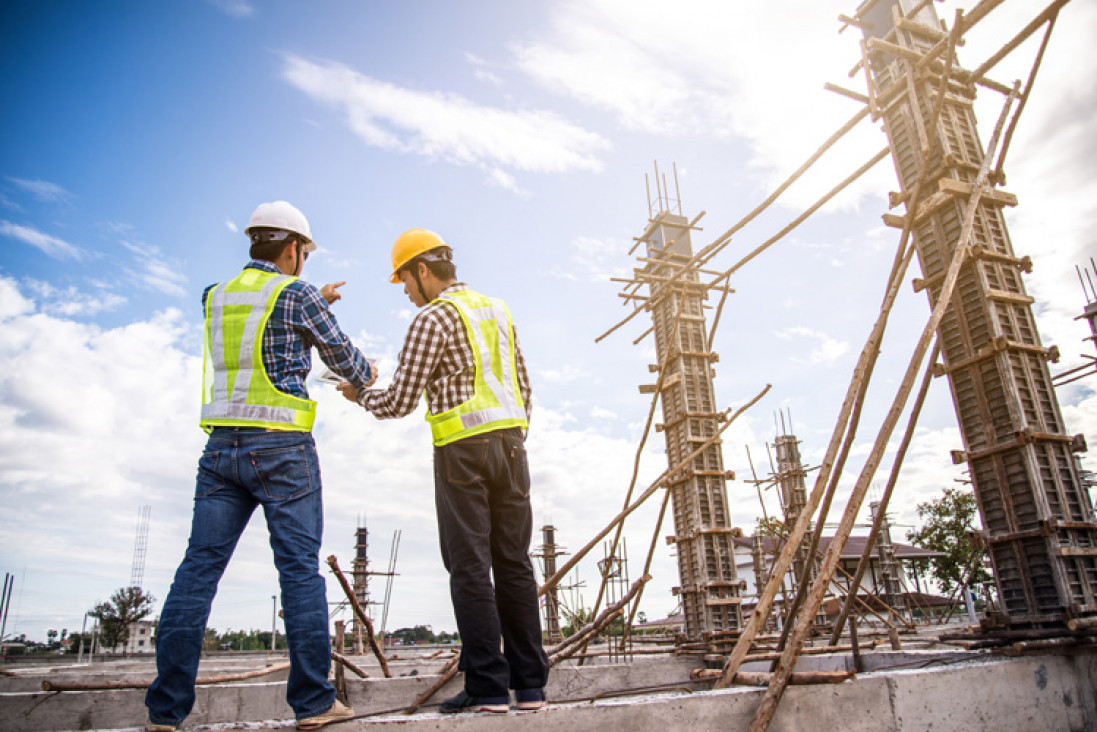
419, 283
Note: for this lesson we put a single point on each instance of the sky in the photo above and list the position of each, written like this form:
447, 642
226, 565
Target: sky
138, 137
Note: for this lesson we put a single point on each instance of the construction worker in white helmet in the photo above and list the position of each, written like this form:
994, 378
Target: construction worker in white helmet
260, 329
462, 352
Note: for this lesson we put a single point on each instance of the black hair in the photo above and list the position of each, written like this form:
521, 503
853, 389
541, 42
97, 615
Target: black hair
439, 261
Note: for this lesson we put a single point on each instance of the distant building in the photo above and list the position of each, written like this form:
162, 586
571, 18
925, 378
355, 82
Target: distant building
872, 585
140, 639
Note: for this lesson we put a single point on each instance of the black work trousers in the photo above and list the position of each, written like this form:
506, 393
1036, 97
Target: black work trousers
485, 524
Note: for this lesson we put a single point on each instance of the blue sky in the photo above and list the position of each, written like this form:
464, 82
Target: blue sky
138, 137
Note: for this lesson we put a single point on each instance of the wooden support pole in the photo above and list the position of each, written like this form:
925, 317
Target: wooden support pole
344, 661
762, 678
878, 521
340, 675
572, 645
448, 672
360, 614
207, 681
804, 620
712, 249
552, 581
858, 665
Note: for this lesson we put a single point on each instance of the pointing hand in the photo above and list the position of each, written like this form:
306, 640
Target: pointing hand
330, 291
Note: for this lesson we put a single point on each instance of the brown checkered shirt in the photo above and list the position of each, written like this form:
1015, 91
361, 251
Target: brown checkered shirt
436, 358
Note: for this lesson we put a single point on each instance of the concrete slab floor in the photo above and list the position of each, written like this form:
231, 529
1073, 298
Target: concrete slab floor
900, 691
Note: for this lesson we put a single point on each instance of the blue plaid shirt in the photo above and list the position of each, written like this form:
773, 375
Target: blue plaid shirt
302, 320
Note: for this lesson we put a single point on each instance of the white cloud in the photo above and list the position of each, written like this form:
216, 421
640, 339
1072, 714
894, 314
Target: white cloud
231, 226
50, 245
697, 71
506, 181
446, 126
596, 260
828, 350
565, 374
43, 190
71, 302
481, 70
234, 8
154, 272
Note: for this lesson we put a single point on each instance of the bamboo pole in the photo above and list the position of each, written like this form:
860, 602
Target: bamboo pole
854, 421
445, 674
1028, 90
768, 708
340, 676
360, 614
900, 455
647, 563
706, 253
790, 226
574, 644
207, 681
659, 483
762, 678
344, 661
796, 535
636, 460
850, 406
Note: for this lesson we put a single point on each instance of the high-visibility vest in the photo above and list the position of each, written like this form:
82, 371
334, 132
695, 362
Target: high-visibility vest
497, 401
236, 389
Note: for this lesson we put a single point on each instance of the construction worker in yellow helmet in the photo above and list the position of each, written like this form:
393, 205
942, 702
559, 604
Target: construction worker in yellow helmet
260, 329
462, 352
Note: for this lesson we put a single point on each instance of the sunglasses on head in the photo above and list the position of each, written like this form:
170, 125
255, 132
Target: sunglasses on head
264, 236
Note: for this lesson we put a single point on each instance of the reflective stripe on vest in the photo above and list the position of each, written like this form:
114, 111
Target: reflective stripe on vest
496, 402
236, 389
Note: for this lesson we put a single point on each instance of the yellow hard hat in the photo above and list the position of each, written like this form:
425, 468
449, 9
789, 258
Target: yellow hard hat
410, 245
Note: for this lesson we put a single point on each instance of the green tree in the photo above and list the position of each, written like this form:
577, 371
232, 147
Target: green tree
576, 621
127, 606
947, 523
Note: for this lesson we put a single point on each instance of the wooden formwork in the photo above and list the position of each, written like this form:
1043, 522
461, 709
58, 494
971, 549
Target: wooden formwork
1038, 522
709, 587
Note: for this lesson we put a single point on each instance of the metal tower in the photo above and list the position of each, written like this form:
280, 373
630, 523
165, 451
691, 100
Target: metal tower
709, 588
1037, 516
140, 547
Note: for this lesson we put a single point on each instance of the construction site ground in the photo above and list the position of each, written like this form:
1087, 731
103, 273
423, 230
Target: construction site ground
918, 688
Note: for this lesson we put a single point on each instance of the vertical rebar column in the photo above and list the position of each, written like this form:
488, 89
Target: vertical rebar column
890, 571
709, 588
360, 571
1037, 516
761, 570
794, 497
548, 555
790, 479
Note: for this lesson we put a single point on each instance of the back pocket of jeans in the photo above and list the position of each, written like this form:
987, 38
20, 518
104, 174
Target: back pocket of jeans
519, 467
284, 472
465, 461
209, 477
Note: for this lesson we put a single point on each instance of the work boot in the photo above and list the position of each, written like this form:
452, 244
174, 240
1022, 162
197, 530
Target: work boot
529, 700
338, 713
151, 726
465, 703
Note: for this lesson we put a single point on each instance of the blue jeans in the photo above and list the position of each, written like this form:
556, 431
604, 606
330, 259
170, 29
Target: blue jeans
239, 470
481, 489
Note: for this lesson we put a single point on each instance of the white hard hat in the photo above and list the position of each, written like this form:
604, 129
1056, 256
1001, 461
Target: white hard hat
281, 215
